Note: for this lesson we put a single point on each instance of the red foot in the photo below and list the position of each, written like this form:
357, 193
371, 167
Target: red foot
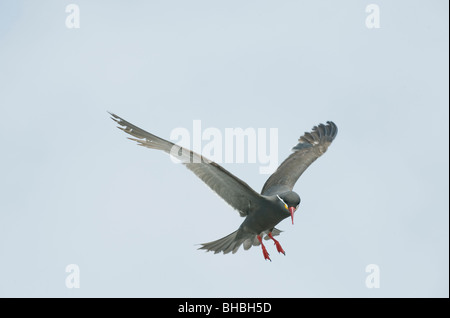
279, 248
266, 255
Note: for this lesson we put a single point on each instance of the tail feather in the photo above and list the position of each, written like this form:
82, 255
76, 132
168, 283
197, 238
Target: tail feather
232, 242
225, 244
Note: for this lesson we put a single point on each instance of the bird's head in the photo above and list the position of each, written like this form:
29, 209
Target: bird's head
289, 201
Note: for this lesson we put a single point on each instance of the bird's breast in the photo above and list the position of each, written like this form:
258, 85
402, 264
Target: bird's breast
263, 219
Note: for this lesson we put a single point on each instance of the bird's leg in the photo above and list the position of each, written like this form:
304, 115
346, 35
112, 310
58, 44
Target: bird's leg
266, 255
279, 248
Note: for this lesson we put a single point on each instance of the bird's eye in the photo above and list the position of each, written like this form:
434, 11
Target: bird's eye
285, 205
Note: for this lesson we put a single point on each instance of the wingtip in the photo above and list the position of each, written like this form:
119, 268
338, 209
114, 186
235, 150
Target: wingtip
334, 128
331, 123
113, 116
317, 133
202, 246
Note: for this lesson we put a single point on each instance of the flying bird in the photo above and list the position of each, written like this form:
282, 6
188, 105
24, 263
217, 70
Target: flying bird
263, 211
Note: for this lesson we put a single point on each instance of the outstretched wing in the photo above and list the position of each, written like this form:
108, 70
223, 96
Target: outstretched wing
310, 147
233, 190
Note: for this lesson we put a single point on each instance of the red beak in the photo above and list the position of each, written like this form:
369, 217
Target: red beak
292, 210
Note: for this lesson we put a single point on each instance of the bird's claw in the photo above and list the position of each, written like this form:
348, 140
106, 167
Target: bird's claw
279, 248
277, 244
266, 255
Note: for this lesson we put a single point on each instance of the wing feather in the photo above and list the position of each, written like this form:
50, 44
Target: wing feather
310, 147
233, 190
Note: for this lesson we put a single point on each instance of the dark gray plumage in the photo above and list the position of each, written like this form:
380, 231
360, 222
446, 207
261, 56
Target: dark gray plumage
310, 147
233, 190
263, 211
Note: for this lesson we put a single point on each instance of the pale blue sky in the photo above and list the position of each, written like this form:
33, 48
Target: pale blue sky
74, 190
